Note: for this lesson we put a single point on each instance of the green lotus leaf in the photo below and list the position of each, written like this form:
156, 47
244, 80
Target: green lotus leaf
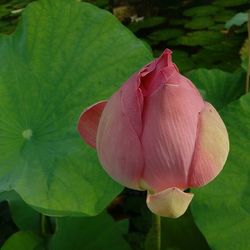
204, 10
165, 34
224, 16
22, 240
238, 20
64, 56
98, 233
222, 208
230, 3
99, 3
227, 58
200, 38
177, 22
148, 22
172, 231
199, 23
218, 87
26, 218
183, 60
217, 27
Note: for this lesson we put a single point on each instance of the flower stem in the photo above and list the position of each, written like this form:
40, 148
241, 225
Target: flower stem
156, 226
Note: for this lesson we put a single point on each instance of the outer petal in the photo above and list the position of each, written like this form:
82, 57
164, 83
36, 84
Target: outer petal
132, 102
118, 146
211, 150
171, 202
88, 122
170, 124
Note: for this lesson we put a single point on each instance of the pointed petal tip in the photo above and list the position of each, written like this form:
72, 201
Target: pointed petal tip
89, 121
171, 202
166, 56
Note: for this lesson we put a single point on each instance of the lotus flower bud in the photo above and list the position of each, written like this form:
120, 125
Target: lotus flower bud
156, 133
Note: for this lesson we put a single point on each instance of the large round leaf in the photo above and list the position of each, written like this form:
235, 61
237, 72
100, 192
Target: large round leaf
201, 38
23, 240
25, 218
217, 86
178, 234
96, 233
222, 208
204, 10
64, 56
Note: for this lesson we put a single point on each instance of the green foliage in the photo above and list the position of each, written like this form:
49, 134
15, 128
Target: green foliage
183, 60
221, 209
165, 35
23, 241
238, 20
9, 14
224, 16
244, 55
148, 22
177, 22
218, 87
198, 23
230, 3
98, 233
48, 76
179, 233
26, 218
99, 3
66, 55
204, 10
200, 38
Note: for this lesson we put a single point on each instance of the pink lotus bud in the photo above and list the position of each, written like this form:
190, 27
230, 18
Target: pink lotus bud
156, 133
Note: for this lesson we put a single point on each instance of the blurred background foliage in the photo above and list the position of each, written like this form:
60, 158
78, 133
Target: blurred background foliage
202, 34
194, 30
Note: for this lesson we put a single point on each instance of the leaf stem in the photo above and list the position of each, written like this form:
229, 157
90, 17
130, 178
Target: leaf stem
248, 70
156, 226
43, 227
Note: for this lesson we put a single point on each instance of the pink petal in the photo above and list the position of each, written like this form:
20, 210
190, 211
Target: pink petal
118, 146
211, 150
169, 134
144, 83
171, 202
88, 122
132, 102
151, 77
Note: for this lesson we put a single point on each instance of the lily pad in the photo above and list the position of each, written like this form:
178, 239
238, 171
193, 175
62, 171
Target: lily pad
22, 241
223, 55
218, 87
4, 10
146, 23
198, 23
177, 22
222, 208
26, 218
230, 3
165, 34
100, 232
224, 16
238, 20
217, 27
99, 3
183, 60
200, 38
204, 10
64, 56
172, 230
